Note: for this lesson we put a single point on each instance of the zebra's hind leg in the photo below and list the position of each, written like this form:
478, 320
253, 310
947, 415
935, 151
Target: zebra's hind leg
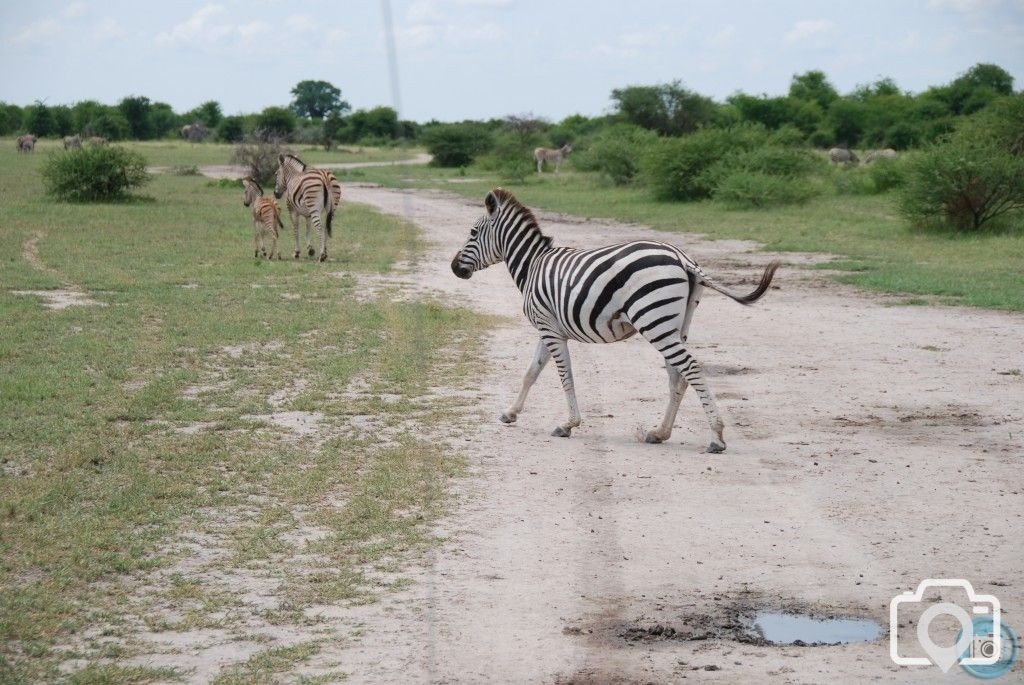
310, 250
676, 389
295, 228
540, 360
559, 350
693, 374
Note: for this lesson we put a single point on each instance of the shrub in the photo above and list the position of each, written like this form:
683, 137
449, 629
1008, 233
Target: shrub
887, 174
278, 121
259, 153
676, 168
853, 181
454, 145
754, 189
616, 151
230, 129
771, 160
964, 183
94, 173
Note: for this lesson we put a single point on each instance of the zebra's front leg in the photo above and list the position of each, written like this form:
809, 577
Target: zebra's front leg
540, 360
559, 350
676, 389
295, 228
255, 240
540, 166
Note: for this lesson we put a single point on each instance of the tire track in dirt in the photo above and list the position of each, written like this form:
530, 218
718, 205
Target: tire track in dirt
559, 545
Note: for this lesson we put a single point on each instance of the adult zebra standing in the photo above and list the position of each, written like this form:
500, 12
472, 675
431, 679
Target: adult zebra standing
543, 154
312, 193
599, 295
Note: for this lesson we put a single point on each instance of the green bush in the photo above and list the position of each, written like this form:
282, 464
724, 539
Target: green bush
887, 174
756, 189
615, 152
676, 168
455, 145
96, 172
853, 181
771, 160
964, 182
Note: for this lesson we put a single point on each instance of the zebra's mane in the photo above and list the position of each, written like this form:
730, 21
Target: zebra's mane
253, 181
297, 160
506, 198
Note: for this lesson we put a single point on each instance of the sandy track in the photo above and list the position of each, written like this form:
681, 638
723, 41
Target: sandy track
237, 171
870, 446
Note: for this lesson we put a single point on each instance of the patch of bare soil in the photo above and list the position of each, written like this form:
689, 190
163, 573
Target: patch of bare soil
68, 296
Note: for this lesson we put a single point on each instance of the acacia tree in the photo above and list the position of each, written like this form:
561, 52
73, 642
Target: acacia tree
668, 109
317, 99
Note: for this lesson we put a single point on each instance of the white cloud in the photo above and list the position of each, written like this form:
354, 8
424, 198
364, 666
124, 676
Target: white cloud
490, 4
43, 31
108, 29
201, 27
301, 23
724, 36
74, 10
962, 5
808, 28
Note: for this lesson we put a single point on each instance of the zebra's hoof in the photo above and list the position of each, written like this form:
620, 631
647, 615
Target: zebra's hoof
652, 438
507, 418
312, 252
716, 448
560, 432
323, 256
296, 254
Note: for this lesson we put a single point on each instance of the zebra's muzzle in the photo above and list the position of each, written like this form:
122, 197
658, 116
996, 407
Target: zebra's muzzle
459, 270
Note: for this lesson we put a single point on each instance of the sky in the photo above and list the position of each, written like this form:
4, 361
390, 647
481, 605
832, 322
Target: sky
473, 59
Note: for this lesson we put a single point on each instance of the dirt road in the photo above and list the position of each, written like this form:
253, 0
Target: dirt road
870, 446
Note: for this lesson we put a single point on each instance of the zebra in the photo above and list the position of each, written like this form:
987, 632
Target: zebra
543, 154
27, 143
97, 140
887, 153
73, 142
311, 193
600, 295
841, 155
266, 218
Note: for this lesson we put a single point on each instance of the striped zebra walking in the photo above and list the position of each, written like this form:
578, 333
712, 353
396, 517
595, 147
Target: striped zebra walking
598, 295
312, 193
555, 157
266, 218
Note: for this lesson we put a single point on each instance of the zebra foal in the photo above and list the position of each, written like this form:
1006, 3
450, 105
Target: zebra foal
266, 218
600, 295
311, 193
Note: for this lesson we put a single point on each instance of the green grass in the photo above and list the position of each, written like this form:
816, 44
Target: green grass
876, 247
96, 475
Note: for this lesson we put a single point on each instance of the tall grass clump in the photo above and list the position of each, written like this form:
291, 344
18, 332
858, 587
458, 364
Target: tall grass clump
94, 173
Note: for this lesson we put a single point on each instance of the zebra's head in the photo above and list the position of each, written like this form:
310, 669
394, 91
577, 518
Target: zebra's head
253, 190
482, 249
286, 166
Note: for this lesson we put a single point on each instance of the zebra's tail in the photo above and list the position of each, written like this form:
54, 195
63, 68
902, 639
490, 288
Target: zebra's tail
756, 293
329, 204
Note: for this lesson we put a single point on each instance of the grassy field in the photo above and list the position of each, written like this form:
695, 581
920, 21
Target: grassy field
248, 405
875, 246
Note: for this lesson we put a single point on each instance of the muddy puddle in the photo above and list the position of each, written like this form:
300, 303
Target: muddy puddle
778, 628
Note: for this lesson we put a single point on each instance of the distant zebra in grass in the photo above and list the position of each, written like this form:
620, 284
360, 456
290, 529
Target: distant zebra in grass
73, 142
266, 218
312, 193
599, 295
841, 155
97, 140
27, 143
543, 154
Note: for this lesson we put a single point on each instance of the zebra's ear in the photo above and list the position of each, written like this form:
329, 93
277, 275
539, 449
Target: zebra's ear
280, 159
491, 203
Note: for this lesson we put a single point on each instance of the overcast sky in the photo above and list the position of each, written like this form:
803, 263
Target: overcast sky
486, 58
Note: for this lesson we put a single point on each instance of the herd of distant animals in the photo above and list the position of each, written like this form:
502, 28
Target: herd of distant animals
842, 155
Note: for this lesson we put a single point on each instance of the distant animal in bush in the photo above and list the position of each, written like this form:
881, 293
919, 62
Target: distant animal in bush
266, 218
543, 154
97, 140
73, 142
875, 155
840, 155
194, 133
27, 143
312, 193
599, 295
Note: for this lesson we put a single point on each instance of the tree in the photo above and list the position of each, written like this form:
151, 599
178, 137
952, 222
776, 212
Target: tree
135, 109
276, 121
317, 99
10, 119
668, 109
208, 113
230, 130
773, 113
162, 119
39, 120
813, 86
63, 120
